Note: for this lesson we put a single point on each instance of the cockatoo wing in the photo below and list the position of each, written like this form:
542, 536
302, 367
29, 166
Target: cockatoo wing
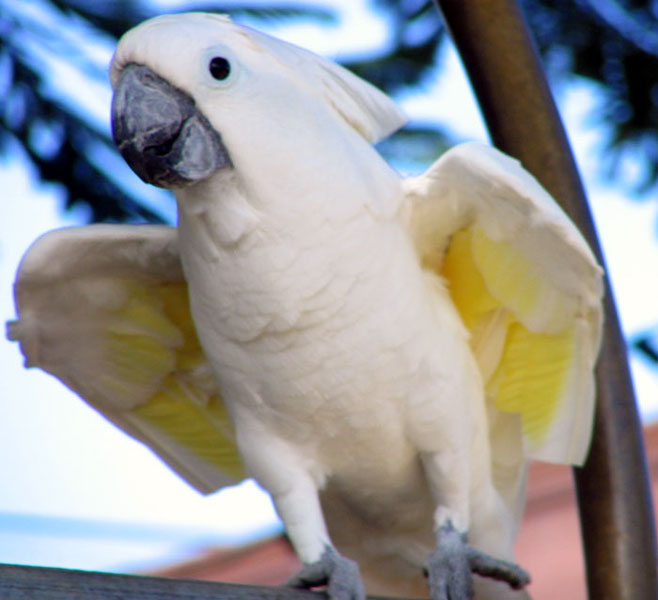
105, 309
527, 287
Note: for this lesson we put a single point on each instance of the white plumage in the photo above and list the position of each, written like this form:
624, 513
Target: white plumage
382, 355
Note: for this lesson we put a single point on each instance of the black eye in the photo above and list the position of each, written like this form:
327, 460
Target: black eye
219, 68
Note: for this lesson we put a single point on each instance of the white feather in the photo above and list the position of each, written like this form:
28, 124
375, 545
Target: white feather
316, 287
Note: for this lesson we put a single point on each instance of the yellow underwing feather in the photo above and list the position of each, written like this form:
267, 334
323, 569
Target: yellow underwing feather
532, 377
518, 285
493, 287
142, 312
204, 429
168, 356
136, 364
467, 286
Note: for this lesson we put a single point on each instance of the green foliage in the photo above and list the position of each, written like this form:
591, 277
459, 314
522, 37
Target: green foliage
55, 136
118, 16
647, 346
613, 43
416, 33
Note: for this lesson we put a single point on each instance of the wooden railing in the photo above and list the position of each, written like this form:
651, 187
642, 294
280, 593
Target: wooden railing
40, 583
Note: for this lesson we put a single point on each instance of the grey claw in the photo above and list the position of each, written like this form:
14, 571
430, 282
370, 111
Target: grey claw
501, 570
339, 574
450, 567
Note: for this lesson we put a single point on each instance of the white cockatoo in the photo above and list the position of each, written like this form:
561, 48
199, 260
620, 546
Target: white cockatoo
383, 355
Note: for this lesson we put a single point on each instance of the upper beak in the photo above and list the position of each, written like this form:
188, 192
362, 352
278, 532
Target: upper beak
161, 133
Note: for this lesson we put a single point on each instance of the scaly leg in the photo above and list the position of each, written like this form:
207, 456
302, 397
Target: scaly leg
452, 563
450, 567
285, 475
340, 575
299, 508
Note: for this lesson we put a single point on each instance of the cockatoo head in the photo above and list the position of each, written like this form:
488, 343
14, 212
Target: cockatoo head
196, 93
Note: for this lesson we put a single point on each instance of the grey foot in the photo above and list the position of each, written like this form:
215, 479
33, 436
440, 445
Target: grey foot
339, 574
450, 567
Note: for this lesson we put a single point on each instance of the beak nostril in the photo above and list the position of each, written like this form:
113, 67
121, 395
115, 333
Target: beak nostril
161, 149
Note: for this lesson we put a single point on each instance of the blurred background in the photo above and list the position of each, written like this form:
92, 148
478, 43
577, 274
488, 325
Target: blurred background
77, 492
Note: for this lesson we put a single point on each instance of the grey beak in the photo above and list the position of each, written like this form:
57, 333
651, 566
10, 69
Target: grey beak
160, 132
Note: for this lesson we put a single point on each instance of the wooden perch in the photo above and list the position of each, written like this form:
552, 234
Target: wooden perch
39, 583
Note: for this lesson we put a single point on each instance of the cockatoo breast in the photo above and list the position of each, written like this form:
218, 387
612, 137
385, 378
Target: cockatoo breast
317, 320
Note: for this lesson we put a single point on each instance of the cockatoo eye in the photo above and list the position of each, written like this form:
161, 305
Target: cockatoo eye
219, 67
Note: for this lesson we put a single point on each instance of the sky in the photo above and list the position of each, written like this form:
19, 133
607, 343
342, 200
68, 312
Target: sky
79, 493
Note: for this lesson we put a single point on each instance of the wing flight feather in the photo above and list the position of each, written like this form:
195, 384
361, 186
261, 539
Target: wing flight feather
105, 310
526, 285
